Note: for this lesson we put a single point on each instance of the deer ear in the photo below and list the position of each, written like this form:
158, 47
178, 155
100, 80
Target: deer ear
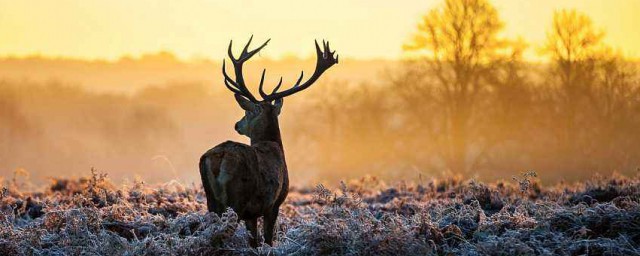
244, 103
278, 104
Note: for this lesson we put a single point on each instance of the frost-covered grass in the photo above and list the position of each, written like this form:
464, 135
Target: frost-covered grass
90, 216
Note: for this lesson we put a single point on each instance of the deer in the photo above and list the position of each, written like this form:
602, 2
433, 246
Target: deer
253, 179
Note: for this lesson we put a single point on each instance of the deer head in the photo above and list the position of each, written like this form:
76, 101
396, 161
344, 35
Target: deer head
260, 121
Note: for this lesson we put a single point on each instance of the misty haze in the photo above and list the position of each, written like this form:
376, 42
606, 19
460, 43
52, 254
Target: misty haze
444, 127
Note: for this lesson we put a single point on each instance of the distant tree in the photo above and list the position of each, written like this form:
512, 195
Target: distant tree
594, 96
616, 105
572, 43
575, 46
510, 108
460, 43
355, 129
572, 39
14, 125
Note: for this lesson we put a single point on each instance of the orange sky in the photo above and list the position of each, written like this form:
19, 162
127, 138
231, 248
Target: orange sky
201, 28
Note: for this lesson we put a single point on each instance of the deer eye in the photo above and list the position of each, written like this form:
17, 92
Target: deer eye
253, 113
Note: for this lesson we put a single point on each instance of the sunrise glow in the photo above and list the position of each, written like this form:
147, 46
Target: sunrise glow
200, 28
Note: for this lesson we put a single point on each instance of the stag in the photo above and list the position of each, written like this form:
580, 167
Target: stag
253, 179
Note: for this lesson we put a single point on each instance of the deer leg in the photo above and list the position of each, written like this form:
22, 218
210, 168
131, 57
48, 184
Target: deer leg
252, 226
269, 225
205, 174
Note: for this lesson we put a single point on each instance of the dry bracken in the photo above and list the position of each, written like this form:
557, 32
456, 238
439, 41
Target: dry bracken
90, 216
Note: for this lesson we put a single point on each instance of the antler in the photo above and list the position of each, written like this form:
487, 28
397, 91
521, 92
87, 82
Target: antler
325, 60
238, 86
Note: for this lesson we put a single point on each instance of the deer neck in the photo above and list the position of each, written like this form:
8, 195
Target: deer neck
270, 133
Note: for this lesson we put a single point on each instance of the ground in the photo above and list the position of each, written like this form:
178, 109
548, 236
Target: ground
90, 216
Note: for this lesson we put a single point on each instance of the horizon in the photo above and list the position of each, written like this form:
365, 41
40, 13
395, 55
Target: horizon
175, 58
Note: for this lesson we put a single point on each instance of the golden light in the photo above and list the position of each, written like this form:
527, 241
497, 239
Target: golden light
199, 28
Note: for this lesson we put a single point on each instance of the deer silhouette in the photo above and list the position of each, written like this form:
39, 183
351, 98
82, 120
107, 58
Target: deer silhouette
253, 179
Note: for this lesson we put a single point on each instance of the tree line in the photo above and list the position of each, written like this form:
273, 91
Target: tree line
467, 101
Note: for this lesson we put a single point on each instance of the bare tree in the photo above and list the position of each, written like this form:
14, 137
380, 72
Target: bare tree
594, 97
575, 48
460, 39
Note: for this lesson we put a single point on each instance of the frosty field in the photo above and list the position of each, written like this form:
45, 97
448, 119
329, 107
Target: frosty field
91, 216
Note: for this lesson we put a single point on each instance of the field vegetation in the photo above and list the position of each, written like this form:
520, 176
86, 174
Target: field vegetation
91, 216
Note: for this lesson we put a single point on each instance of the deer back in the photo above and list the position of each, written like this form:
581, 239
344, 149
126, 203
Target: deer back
249, 179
